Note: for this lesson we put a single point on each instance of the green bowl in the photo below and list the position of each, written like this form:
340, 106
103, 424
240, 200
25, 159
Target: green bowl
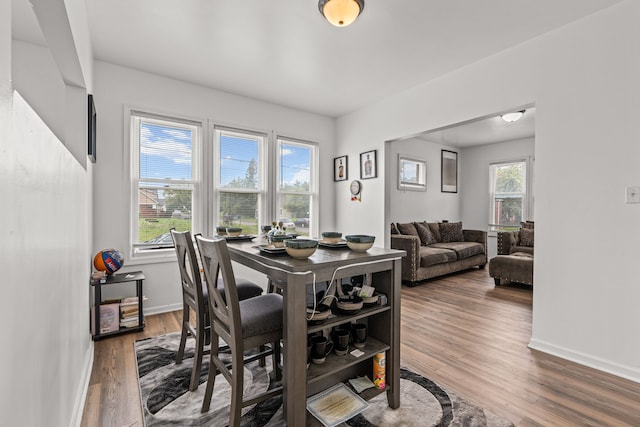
234, 231
301, 243
300, 248
360, 238
331, 236
277, 240
360, 242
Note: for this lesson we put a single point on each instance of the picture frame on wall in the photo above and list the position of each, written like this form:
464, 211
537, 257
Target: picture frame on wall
91, 129
449, 171
368, 165
341, 168
412, 173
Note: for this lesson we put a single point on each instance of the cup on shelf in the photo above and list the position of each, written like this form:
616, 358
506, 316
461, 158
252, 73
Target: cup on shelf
359, 334
341, 339
320, 348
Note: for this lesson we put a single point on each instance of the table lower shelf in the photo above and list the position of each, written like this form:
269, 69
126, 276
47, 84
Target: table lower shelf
367, 395
334, 363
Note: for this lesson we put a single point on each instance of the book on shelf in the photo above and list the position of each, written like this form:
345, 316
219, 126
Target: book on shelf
98, 277
131, 301
128, 311
108, 319
129, 323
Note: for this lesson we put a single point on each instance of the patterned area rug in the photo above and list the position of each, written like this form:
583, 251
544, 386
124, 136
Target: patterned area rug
166, 400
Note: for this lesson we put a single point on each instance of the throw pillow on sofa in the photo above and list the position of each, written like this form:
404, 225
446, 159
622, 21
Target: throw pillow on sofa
451, 232
425, 234
526, 237
394, 229
408, 229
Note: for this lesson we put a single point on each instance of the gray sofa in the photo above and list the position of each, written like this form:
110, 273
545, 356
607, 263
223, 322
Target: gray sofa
510, 242
514, 262
435, 249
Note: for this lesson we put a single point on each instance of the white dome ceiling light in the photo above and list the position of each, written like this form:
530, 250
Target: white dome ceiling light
341, 12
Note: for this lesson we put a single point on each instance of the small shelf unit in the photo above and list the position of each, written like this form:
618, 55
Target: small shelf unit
133, 276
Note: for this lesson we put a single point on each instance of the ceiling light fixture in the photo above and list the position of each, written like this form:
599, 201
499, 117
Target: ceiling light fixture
512, 117
341, 12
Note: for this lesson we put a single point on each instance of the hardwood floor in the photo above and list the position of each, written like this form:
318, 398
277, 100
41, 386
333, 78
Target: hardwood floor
460, 331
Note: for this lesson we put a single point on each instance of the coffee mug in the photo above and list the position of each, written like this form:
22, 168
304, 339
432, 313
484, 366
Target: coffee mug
320, 348
341, 341
359, 334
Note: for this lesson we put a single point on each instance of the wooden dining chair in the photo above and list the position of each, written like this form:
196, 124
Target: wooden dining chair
195, 297
242, 325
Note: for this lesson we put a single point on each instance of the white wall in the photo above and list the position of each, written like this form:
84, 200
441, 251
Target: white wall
47, 359
117, 87
36, 77
475, 181
431, 205
44, 186
583, 80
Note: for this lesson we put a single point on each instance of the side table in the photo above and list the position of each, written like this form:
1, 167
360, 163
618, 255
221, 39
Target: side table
133, 276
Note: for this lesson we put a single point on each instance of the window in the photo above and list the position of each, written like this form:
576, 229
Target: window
296, 184
190, 177
509, 196
164, 179
239, 179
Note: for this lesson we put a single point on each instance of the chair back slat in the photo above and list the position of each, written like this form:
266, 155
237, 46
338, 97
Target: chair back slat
189, 268
216, 262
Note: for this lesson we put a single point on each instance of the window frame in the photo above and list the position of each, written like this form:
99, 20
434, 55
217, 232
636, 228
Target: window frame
213, 205
527, 194
206, 178
136, 117
313, 192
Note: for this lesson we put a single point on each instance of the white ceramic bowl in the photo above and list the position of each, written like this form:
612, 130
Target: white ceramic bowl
351, 304
300, 248
321, 313
331, 237
234, 231
360, 242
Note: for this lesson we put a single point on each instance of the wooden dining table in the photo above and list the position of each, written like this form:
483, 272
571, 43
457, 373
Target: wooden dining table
293, 276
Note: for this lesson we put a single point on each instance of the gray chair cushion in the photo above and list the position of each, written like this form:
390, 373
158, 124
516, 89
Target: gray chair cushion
431, 255
462, 249
261, 315
246, 289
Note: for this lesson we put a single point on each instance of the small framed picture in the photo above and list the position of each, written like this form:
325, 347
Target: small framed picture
449, 171
368, 165
340, 168
91, 127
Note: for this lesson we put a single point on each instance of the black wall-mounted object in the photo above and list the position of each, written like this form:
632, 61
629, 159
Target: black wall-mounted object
91, 149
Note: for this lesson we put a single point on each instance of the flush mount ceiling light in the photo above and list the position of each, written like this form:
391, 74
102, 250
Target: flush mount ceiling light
512, 117
340, 12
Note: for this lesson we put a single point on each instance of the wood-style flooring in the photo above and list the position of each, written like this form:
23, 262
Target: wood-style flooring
461, 331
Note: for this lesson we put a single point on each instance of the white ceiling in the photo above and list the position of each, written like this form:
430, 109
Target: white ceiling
484, 131
282, 51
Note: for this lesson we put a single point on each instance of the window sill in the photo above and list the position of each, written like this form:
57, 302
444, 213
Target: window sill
157, 256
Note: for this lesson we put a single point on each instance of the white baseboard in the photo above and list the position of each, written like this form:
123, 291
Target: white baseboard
609, 367
78, 406
162, 309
